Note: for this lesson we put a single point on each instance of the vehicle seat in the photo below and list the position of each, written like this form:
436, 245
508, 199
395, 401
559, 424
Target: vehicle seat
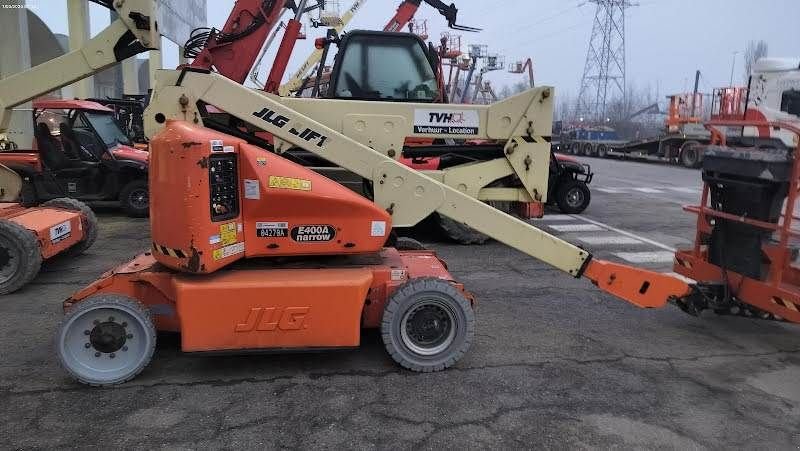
52, 157
69, 142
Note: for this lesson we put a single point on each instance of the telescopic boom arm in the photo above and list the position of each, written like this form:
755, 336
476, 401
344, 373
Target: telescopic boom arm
134, 32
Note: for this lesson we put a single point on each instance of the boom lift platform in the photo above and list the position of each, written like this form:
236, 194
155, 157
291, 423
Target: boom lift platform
223, 211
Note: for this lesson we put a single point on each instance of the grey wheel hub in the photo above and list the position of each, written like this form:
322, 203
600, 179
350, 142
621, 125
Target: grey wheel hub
575, 197
104, 344
139, 199
428, 327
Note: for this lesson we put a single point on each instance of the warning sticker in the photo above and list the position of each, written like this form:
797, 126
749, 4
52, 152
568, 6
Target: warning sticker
251, 189
446, 122
289, 183
228, 251
272, 229
313, 233
227, 233
378, 228
216, 145
261, 161
60, 232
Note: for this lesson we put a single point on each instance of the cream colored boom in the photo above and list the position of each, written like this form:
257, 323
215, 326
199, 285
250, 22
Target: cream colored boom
407, 194
296, 81
136, 17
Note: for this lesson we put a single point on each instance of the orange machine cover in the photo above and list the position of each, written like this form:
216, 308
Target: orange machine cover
215, 199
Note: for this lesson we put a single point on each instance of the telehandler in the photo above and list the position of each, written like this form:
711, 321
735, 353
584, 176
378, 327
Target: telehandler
252, 252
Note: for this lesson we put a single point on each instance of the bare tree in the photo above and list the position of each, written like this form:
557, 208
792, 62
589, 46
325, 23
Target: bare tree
755, 50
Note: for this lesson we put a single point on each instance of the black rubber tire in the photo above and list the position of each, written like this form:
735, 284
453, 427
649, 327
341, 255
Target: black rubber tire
690, 155
432, 292
131, 209
460, 233
21, 244
602, 151
88, 220
564, 198
27, 195
588, 149
404, 243
111, 301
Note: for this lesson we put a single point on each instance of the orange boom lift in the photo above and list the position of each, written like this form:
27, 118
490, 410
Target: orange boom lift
252, 252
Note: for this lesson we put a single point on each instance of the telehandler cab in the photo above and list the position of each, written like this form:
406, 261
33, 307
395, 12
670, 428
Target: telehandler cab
253, 252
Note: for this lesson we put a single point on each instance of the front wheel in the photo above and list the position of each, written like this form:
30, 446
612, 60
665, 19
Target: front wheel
690, 154
106, 340
20, 256
427, 325
135, 199
573, 196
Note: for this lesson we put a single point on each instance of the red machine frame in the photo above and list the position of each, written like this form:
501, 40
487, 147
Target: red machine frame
780, 293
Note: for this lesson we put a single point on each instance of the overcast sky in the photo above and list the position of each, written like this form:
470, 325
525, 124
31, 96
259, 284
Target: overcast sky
667, 40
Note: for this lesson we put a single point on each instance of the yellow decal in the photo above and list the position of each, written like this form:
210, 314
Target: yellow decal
228, 251
289, 183
227, 233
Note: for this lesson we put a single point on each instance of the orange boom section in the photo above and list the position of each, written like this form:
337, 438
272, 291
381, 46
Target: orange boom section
238, 200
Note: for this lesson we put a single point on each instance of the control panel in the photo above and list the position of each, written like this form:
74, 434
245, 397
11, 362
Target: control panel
224, 184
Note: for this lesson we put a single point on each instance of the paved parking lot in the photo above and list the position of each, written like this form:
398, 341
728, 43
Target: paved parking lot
555, 363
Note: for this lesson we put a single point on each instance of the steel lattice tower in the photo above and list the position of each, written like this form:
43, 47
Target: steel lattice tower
604, 72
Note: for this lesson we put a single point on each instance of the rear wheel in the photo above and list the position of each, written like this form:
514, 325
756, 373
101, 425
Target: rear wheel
461, 233
588, 150
427, 325
135, 199
602, 150
690, 154
573, 196
20, 256
106, 340
88, 220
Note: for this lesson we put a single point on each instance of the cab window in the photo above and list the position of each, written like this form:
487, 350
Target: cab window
393, 68
790, 102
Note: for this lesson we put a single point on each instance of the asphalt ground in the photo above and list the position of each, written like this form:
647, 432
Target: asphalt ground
555, 363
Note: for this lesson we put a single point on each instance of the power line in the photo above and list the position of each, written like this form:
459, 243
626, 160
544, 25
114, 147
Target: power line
548, 18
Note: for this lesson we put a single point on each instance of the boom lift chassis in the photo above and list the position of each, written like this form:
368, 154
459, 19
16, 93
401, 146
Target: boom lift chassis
186, 291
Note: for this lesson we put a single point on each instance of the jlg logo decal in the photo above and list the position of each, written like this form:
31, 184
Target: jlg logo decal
265, 319
279, 121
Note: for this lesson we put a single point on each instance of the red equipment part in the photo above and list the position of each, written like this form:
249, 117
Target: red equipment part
779, 292
233, 50
407, 9
290, 37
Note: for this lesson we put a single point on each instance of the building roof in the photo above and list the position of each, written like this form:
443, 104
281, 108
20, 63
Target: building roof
776, 64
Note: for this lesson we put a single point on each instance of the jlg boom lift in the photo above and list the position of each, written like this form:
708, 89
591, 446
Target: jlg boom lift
223, 209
